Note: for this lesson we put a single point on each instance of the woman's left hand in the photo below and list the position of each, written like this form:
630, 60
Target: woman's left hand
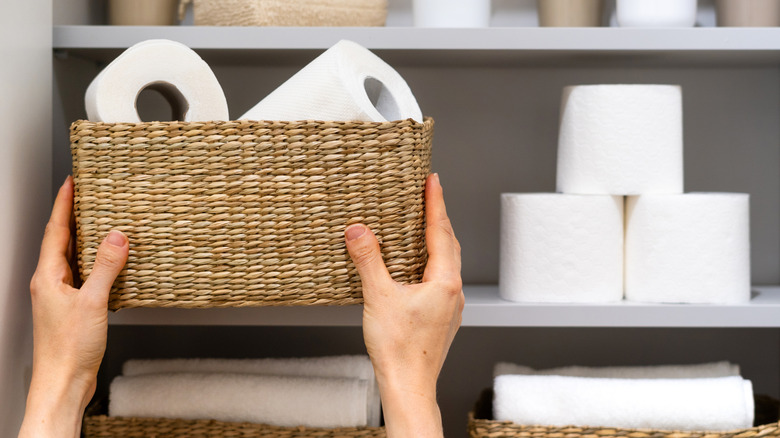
70, 325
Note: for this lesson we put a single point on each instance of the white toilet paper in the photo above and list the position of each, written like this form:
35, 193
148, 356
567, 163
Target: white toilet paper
561, 248
170, 67
621, 140
441, 13
691, 248
656, 13
346, 82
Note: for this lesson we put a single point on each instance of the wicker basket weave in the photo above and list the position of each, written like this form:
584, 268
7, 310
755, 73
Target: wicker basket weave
288, 12
97, 425
482, 426
230, 214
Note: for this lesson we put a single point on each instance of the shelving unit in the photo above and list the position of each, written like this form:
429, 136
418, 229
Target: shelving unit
484, 308
517, 38
494, 46
495, 94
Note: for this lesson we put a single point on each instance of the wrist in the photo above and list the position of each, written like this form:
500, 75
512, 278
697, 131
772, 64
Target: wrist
55, 405
410, 411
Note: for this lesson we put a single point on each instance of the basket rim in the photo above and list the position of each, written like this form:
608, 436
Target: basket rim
754, 431
104, 417
427, 120
618, 430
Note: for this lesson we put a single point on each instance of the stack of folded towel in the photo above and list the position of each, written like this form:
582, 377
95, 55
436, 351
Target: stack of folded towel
676, 397
338, 391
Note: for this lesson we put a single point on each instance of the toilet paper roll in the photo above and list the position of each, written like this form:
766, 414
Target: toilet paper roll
169, 67
561, 248
441, 13
620, 140
656, 13
346, 82
691, 248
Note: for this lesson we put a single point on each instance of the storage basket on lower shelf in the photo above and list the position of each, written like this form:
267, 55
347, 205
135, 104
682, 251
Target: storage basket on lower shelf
481, 425
98, 425
249, 213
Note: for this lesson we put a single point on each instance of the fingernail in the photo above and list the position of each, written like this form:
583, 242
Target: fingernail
354, 231
116, 238
436, 177
67, 180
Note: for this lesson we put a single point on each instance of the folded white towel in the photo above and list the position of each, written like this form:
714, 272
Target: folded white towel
281, 401
352, 367
356, 367
717, 404
713, 369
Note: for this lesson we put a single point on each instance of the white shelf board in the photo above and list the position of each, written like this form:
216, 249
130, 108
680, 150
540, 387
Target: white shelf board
484, 308
459, 46
498, 38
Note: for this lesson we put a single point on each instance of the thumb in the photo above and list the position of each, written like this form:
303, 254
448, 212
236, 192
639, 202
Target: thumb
364, 250
111, 258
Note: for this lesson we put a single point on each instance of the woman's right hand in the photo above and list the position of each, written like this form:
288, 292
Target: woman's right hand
70, 325
408, 329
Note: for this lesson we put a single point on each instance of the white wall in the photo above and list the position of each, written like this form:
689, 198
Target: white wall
25, 187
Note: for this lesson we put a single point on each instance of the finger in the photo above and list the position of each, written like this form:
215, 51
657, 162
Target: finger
364, 250
57, 235
111, 258
443, 247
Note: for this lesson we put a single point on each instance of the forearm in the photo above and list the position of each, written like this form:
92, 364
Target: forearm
410, 414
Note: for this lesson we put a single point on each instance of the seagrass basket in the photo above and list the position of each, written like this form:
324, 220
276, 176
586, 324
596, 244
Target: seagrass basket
98, 425
481, 425
287, 12
249, 213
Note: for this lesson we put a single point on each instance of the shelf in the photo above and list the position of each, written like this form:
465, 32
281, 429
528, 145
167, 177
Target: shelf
731, 46
484, 308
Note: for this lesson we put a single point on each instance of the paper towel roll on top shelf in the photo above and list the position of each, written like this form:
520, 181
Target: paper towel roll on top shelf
346, 82
620, 140
170, 67
561, 248
691, 248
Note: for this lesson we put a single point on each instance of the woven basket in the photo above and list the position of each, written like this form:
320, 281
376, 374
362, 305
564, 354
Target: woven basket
482, 426
288, 12
240, 213
98, 425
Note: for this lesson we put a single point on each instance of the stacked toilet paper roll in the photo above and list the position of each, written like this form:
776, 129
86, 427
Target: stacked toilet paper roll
561, 248
690, 248
617, 141
169, 67
620, 140
346, 82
